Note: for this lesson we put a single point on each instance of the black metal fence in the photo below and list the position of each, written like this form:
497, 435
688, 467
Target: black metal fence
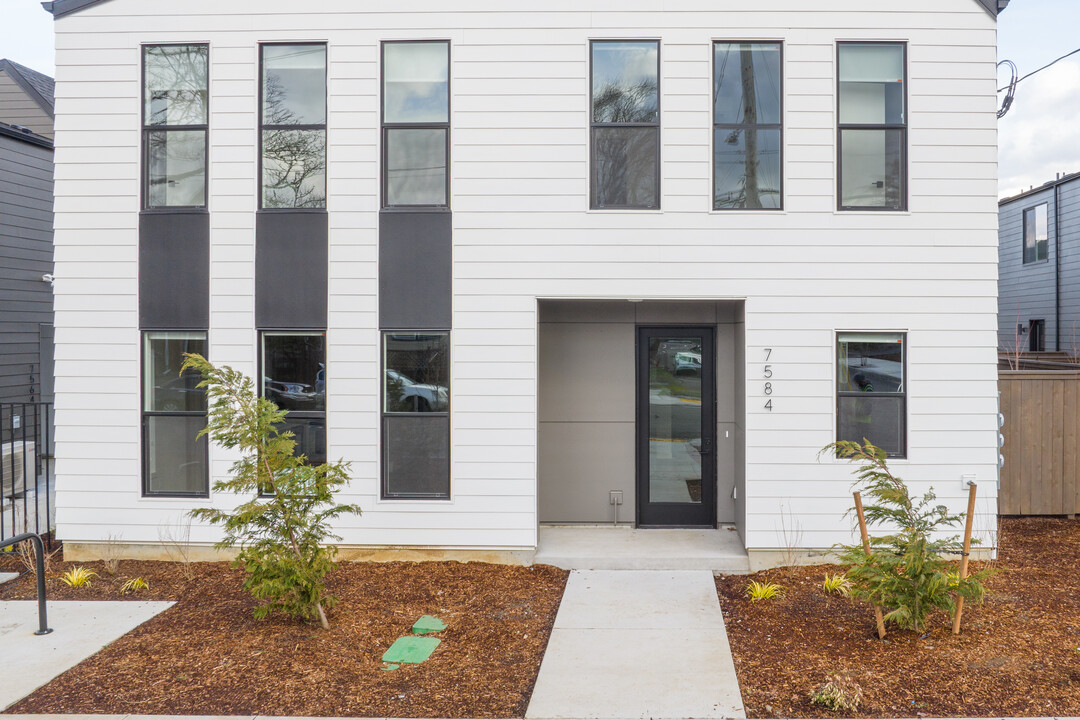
27, 499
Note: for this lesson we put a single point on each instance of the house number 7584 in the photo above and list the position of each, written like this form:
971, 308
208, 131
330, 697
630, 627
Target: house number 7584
767, 374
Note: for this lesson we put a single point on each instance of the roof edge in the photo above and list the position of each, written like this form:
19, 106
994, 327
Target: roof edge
1048, 185
28, 137
60, 8
21, 81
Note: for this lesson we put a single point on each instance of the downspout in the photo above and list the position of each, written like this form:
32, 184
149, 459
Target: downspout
1057, 266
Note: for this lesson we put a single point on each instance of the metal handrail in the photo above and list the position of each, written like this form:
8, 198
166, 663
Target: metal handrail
39, 552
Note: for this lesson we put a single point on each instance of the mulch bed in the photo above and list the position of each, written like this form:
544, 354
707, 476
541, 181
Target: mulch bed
207, 655
1018, 653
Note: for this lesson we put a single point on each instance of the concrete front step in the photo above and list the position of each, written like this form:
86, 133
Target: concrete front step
576, 547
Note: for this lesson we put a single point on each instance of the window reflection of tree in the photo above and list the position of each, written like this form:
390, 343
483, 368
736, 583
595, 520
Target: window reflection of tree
294, 161
176, 97
626, 156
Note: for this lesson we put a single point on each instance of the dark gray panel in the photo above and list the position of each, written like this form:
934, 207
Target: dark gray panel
291, 269
174, 270
414, 270
416, 456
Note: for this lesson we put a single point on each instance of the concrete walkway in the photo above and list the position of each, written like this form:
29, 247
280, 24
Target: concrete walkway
80, 629
606, 547
638, 644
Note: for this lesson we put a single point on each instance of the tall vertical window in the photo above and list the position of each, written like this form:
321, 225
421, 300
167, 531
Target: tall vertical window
293, 121
416, 415
175, 112
625, 124
747, 137
872, 136
416, 123
1037, 335
1035, 234
174, 411
871, 396
294, 378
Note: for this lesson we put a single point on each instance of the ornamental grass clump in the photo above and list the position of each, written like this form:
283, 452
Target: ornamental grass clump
905, 572
282, 530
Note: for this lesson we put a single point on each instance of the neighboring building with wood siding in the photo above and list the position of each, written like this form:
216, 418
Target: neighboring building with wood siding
533, 257
1039, 268
26, 216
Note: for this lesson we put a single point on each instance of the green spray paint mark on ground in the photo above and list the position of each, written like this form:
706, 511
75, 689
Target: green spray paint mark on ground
391, 667
411, 649
428, 624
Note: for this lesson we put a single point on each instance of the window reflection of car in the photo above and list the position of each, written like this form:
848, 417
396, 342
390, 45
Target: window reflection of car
412, 396
175, 393
687, 363
289, 395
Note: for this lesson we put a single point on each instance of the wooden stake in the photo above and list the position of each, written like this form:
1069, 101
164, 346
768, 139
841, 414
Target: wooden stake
866, 547
964, 558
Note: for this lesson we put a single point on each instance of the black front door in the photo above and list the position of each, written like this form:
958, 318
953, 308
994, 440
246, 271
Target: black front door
676, 426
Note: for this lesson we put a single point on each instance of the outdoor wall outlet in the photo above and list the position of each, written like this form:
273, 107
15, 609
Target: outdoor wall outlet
615, 497
966, 480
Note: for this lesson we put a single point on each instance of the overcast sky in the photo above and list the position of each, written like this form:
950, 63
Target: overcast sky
1038, 138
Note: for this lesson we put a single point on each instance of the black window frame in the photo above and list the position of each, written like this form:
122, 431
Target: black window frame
260, 388
263, 128
144, 183
903, 395
1044, 242
145, 415
744, 126
593, 126
902, 127
384, 493
385, 128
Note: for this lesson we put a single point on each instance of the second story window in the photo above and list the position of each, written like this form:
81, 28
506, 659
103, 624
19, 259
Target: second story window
293, 122
872, 136
625, 167
416, 123
1035, 235
747, 126
175, 112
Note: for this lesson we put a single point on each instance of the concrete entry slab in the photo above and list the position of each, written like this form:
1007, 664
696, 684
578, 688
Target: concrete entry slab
80, 630
638, 644
591, 547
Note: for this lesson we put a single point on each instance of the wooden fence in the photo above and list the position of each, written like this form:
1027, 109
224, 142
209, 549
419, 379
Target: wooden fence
1041, 475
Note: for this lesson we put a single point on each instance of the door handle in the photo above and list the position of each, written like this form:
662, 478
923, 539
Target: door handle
706, 447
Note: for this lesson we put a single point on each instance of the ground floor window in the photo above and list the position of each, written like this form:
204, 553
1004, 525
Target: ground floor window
174, 411
871, 400
293, 371
416, 415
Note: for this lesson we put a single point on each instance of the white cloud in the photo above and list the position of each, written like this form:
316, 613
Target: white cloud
1040, 135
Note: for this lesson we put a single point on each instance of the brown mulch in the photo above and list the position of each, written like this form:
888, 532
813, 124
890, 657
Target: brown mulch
1018, 653
207, 655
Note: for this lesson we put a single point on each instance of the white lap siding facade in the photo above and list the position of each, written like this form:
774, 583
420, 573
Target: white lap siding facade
523, 233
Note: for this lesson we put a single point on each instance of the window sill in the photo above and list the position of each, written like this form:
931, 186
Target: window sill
175, 211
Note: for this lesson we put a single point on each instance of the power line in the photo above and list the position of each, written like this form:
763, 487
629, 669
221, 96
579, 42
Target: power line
1077, 50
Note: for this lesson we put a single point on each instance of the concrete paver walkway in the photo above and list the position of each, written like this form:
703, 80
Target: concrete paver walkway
638, 644
80, 629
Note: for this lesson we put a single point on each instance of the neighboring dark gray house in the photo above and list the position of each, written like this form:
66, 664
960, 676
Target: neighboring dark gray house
26, 234
1039, 268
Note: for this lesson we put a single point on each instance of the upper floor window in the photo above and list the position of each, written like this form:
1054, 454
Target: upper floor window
747, 130
175, 121
625, 124
1035, 237
872, 136
293, 122
416, 123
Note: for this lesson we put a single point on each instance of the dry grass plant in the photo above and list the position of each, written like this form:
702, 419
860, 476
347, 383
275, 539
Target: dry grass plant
176, 539
838, 693
791, 535
25, 551
111, 550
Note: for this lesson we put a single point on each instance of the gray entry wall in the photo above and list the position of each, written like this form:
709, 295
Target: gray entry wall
586, 444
